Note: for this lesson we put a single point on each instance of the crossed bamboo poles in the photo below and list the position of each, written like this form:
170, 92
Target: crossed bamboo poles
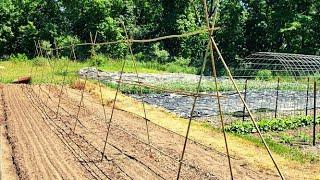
211, 48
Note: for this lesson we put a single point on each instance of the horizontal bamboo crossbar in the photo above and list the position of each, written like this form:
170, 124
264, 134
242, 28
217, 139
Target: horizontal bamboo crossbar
187, 34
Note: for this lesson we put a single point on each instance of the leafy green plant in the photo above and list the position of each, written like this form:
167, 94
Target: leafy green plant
46, 48
303, 137
129, 89
286, 139
264, 75
267, 125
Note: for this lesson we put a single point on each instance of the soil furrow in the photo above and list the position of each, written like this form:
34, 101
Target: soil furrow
46, 147
128, 164
91, 162
38, 146
78, 151
62, 166
22, 139
8, 163
171, 167
131, 157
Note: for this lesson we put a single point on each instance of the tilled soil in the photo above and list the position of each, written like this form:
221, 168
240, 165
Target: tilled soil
47, 145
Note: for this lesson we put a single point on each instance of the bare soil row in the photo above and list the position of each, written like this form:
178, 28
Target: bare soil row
46, 146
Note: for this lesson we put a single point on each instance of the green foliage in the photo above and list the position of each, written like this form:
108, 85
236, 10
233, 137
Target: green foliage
267, 125
303, 137
67, 40
40, 61
98, 60
18, 58
129, 89
264, 75
246, 26
286, 139
158, 54
288, 152
46, 48
7, 29
180, 65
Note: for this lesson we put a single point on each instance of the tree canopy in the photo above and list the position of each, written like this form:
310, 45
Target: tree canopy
246, 26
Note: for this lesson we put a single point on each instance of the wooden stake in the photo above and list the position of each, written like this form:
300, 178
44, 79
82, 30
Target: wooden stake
307, 101
314, 111
277, 99
245, 98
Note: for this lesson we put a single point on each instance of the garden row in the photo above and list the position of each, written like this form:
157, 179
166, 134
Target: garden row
266, 125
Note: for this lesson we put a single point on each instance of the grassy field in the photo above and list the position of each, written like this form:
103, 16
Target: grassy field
52, 71
41, 70
44, 70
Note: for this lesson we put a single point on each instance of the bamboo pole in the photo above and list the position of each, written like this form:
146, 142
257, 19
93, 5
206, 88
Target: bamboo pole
247, 107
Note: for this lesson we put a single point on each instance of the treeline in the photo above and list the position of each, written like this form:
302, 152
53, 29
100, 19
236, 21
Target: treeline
246, 26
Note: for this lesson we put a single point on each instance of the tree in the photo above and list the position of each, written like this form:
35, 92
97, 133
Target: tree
8, 17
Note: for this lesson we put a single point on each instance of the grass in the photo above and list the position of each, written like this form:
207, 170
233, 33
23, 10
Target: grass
42, 73
40, 70
115, 65
209, 86
291, 153
145, 67
53, 71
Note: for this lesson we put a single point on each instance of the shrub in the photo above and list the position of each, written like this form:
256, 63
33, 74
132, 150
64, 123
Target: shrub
64, 41
161, 56
181, 61
158, 54
141, 57
264, 75
98, 60
180, 65
18, 58
46, 48
67, 40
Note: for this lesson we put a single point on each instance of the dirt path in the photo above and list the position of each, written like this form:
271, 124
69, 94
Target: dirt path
46, 147
38, 152
7, 167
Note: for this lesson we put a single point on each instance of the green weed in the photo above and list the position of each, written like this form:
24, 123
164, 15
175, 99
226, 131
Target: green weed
288, 152
286, 139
